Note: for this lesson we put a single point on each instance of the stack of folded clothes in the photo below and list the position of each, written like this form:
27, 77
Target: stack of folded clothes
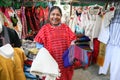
84, 43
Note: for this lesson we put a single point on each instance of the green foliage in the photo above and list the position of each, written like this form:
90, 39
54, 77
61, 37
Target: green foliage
6, 3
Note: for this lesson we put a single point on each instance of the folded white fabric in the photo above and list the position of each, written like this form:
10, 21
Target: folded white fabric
45, 65
7, 51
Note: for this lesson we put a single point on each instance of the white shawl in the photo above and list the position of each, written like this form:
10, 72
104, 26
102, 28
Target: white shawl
45, 65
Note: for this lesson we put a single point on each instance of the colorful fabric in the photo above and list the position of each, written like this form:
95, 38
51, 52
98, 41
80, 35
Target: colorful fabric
56, 40
38, 17
75, 53
21, 14
67, 62
28, 13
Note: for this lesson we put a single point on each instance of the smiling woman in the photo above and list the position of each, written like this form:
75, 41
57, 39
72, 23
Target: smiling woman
55, 16
56, 38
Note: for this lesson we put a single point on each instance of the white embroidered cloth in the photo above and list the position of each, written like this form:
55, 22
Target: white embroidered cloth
45, 65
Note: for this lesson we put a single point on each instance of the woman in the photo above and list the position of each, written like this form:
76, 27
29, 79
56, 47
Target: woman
56, 37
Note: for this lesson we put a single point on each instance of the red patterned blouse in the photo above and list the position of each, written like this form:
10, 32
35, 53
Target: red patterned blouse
56, 40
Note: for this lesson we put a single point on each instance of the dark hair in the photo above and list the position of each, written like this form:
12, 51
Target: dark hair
55, 7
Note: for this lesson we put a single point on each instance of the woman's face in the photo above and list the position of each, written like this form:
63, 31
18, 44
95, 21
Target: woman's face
55, 17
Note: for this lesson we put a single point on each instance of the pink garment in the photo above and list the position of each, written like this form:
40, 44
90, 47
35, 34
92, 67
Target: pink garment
23, 21
7, 13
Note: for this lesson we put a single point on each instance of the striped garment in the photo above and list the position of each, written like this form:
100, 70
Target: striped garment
74, 53
56, 40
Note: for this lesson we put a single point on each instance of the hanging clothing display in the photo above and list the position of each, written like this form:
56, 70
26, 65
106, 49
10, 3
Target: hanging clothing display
99, 24
112, 49
104, 32
21, 14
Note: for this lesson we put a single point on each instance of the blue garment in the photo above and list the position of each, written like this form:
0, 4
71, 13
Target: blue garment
84, 38
66, 58
85, 57
38, 45
30, 76
26, 68
79, 30
27, 73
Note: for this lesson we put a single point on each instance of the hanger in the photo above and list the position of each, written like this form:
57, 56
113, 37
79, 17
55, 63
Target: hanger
95, 6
